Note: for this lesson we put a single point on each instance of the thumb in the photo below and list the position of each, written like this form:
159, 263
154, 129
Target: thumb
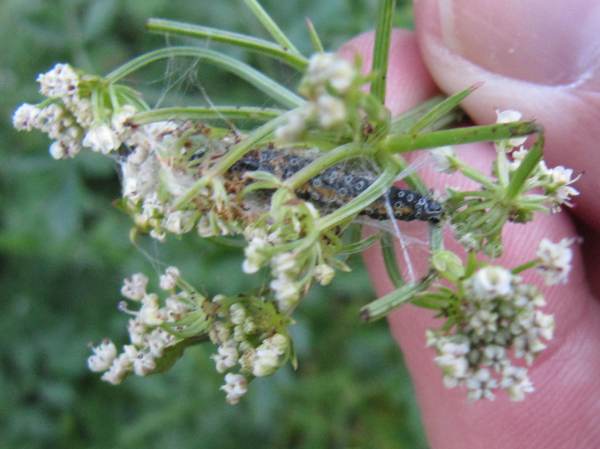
535, 56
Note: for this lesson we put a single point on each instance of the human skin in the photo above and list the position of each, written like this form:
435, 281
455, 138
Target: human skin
543, 59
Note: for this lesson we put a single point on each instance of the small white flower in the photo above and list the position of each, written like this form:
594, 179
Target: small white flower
82, 111
119, 368
179, 222
453, 367
442, 159
103, 356
517, 158
168, 280
226, 357
176, 305
60, 81
120, 121
510, 116
284, 263
286, 292
495, 356
559, 187
267, 355
326, 68
135, 287
544, 325
491, 282
150, 313
144, 364
58, 150
235, 387
483, 322
137, 331
555, 260
25, 117
516, 382
237, 313
331, 111
157, 341
294, 126
255, 254
249, 326
481, 385
324, 274
219, 333
102, 139
49, 120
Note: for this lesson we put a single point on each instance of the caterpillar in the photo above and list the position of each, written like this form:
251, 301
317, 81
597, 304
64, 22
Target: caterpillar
339, 184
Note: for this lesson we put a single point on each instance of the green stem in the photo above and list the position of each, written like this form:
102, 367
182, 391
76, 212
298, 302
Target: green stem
401, 143
314, 36
502, 167
204, 113
525, 266
383, 35
265, 19
474, 174
322, 163
382, 306
244, 71
251, 43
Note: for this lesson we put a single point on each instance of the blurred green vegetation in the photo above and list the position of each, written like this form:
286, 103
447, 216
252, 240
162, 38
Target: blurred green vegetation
64, 251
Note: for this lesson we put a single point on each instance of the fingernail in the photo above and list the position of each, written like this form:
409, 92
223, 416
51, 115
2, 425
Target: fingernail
535, 40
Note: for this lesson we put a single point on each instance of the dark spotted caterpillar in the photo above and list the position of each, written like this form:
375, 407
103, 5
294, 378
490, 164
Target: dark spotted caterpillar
337, 185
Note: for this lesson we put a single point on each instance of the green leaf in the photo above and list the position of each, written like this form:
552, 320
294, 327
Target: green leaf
314, 36
381, 49
238, 68
384, 305
390, 261
529, 164
359, 246
440, 110
251, 43
400, 143
265, 19
207, 113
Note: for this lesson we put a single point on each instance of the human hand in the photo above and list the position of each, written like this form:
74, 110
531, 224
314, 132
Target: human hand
541, 60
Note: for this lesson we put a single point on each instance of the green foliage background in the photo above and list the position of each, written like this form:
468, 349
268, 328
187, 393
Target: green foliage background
64, 251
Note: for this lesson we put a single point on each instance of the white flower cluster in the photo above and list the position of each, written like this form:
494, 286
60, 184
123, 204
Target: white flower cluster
296, 259
148, 341
556, 182
69, 118
500, 320
443, 159
555, 260
236, 335
327, 79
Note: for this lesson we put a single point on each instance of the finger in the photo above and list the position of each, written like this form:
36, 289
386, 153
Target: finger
562, 411
536, 57
452, 422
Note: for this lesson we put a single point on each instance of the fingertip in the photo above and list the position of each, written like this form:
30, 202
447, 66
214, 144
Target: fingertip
547, 73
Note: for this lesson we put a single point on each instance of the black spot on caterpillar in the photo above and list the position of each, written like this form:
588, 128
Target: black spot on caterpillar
339, 184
